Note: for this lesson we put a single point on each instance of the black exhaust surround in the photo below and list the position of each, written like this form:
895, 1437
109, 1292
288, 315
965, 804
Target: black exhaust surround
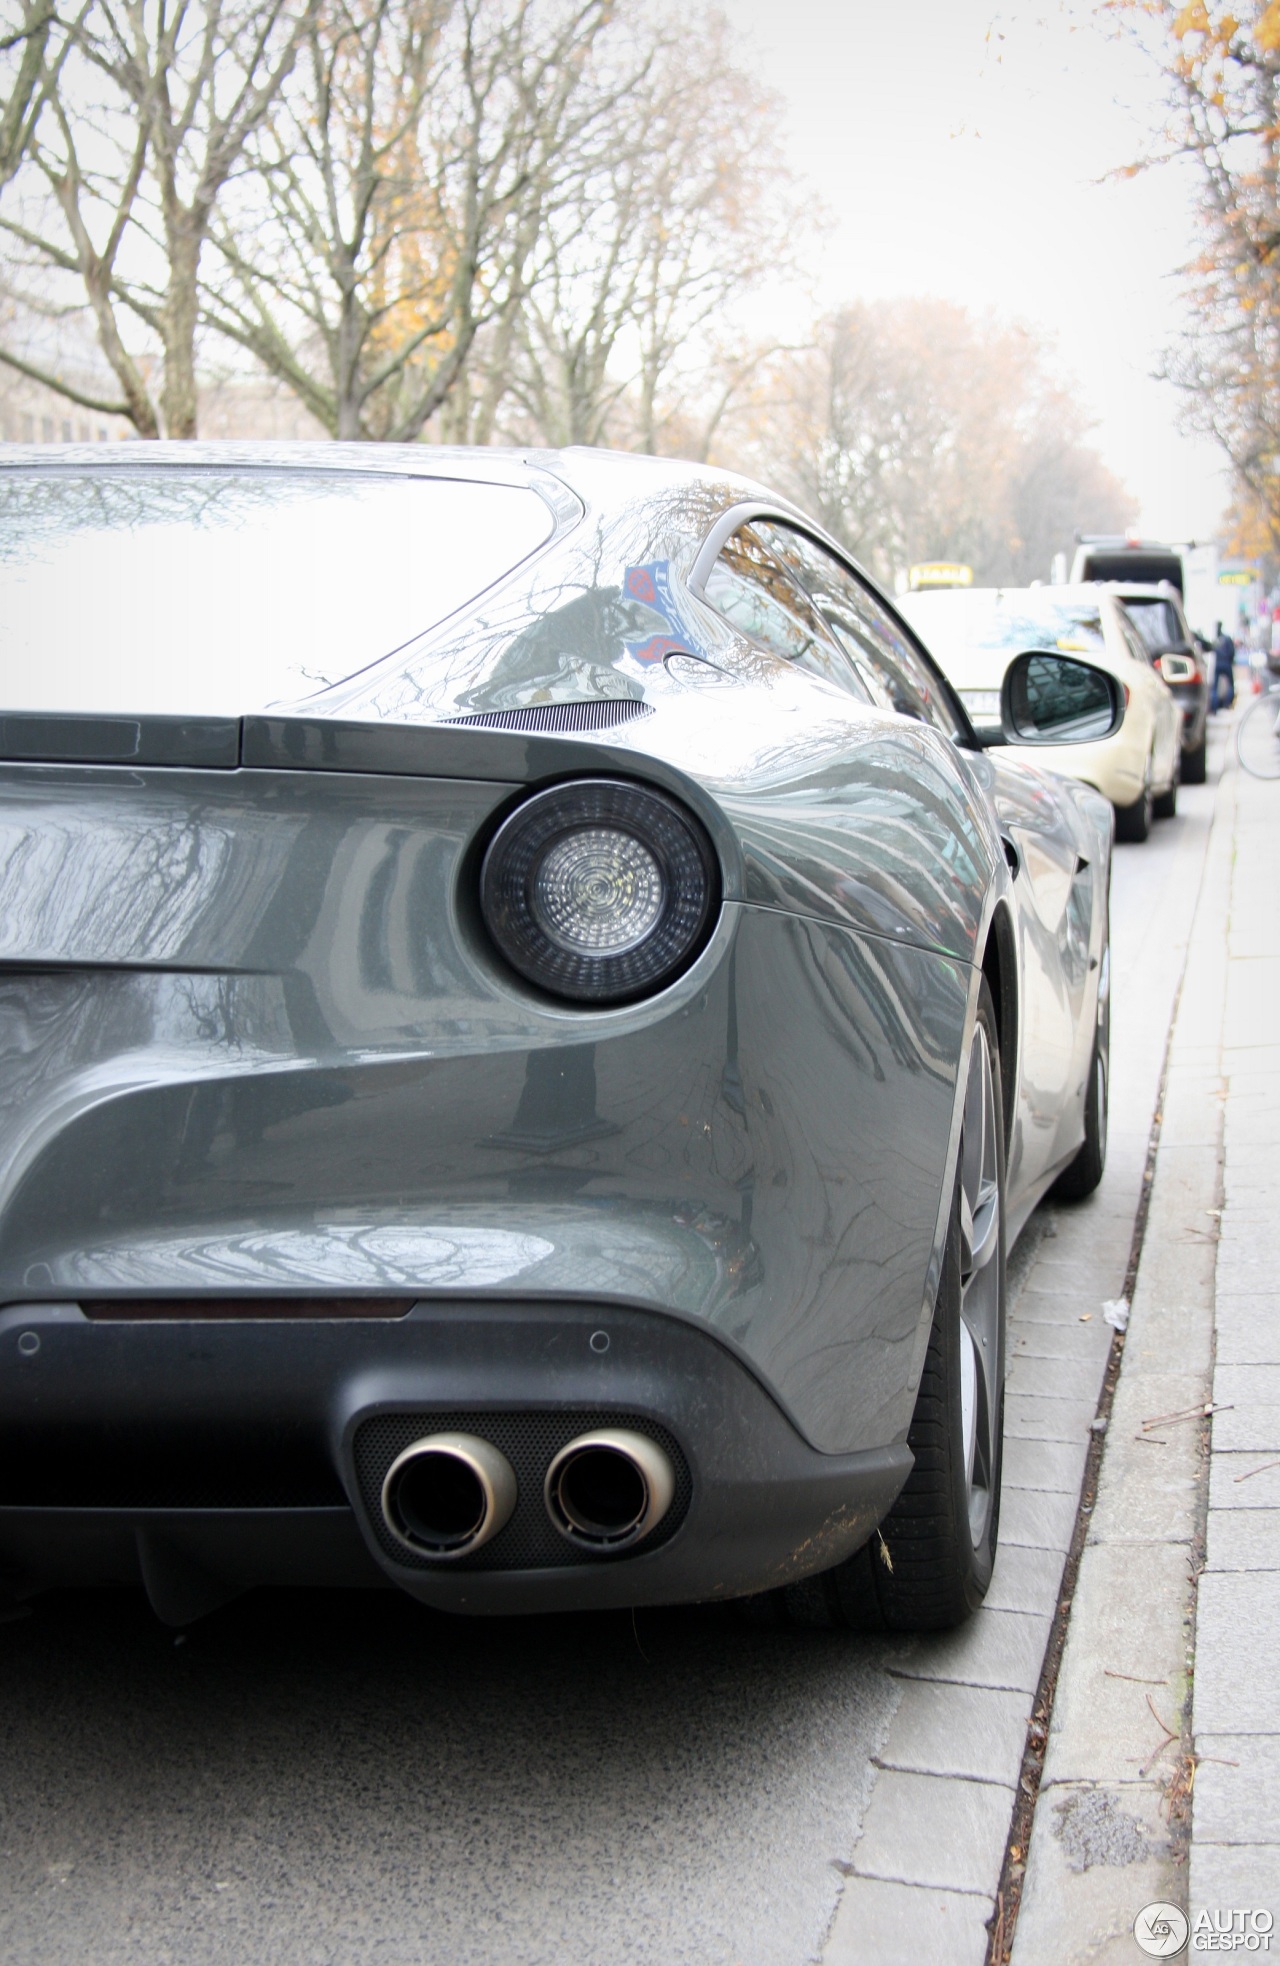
530, 1441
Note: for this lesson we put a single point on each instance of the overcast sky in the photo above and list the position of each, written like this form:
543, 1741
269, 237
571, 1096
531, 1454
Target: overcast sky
964, 149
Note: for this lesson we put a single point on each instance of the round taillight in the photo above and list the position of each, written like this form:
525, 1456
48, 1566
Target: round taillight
599, 891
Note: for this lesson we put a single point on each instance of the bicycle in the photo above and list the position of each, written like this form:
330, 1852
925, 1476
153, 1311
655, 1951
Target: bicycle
1258, 735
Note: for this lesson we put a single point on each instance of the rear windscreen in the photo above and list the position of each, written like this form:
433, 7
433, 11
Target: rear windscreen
1150, 568
182, 591
1010, 618
1157, 624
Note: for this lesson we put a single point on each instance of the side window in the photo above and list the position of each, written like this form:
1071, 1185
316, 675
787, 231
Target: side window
750, 586
1132, 639
872, 639
1158, 625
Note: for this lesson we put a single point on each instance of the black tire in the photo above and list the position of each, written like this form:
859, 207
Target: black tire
929, 1564
1195, 764
1165, 804
1081, 1176
1133, 823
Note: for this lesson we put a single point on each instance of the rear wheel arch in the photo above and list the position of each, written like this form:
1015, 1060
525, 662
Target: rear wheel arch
1000, 967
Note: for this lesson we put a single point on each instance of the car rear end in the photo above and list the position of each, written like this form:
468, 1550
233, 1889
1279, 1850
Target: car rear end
1156, 612
976, 633
346, 1235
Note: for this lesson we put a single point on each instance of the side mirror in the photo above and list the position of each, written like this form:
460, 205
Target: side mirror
1056, 699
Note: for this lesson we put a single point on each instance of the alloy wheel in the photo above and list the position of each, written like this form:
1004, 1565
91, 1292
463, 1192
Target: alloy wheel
980, 1284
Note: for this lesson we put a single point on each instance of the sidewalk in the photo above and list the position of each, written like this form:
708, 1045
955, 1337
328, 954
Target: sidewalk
922, 1881
1235, 1854
1166, 1715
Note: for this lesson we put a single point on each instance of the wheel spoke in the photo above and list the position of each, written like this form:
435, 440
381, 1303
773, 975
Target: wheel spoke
980, 1280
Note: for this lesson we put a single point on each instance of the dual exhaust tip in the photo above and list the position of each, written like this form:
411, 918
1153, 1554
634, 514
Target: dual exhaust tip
450, 1493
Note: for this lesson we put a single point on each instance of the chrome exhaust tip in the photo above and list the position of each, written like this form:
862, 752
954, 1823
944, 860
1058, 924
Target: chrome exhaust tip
608, 1489
448, 1494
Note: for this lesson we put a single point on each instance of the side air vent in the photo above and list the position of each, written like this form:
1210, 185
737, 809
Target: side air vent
597, 713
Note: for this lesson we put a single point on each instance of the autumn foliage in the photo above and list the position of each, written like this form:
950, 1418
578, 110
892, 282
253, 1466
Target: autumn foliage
1222, 68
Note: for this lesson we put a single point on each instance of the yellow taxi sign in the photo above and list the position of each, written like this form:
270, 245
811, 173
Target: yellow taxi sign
939, 573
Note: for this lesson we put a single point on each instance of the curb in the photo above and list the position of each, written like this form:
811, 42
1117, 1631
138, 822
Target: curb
1111, 1826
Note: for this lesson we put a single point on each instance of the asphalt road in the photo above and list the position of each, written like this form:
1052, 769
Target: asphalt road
311, 1778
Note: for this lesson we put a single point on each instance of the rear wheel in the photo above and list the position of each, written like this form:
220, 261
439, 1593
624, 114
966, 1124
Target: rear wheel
1195, 764
1081, 1176
930, 1563
1165, 804
1133, 823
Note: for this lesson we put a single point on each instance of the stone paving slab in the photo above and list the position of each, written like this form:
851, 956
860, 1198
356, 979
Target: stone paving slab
1038, 1519
1000, 1648
975, 1732
1225, 1875
928, 1829
1253, 989
1237, 1789
1130, 1601
1244, 1481
1243, 1539
1054, 1379
1087, 1338
1246, 1426
1054, 1465
1244, 1267
1029, 1418
1038, 1307
1237, 1622
1247, 1327
906, 1925
1024, 1579
1100, 1858
1155, 1472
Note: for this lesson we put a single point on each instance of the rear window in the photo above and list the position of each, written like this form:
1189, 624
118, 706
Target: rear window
1157, 624
189, 592
1128, 563
1007, 619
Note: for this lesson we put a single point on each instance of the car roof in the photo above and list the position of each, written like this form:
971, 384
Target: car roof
1143, 590
583, 468
1078, 593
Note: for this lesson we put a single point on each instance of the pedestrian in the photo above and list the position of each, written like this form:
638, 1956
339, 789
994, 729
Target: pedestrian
1224, 668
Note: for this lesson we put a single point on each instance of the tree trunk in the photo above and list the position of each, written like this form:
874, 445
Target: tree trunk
179, 406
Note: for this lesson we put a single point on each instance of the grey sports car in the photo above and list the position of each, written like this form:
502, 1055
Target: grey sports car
528, 1020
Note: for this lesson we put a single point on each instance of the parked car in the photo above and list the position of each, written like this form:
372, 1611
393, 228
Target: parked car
536, 1112
1122, 557
1156, 613
976, 633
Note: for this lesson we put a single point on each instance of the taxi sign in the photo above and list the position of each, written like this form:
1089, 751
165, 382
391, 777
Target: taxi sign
939, 573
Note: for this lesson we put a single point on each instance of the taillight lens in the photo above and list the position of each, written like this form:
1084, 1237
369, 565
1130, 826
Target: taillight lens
599, 891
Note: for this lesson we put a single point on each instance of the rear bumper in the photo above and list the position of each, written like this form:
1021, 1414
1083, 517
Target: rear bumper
204, 1457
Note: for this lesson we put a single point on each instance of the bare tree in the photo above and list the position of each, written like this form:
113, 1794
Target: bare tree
668, 224
400, 191
913, 431
154, 105
30, 52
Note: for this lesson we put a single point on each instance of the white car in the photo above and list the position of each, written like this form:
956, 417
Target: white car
974, 633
